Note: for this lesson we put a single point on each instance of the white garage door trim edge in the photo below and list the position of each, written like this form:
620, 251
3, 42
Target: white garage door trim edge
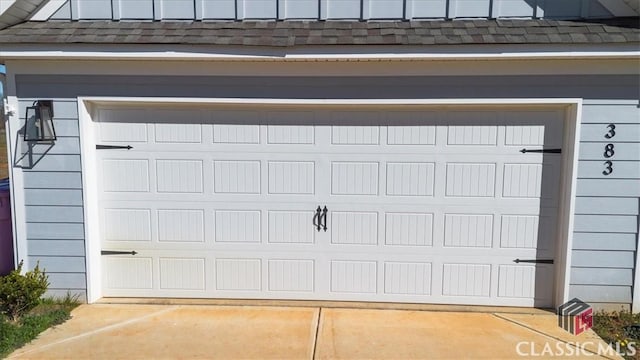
568, 181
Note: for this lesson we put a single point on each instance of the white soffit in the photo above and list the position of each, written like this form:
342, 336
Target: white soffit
19, 11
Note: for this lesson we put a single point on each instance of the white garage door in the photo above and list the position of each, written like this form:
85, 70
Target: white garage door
424, 206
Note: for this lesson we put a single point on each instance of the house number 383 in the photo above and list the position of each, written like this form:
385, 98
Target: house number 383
609, 150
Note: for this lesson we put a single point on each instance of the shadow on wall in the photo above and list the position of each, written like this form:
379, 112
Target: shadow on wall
28, 154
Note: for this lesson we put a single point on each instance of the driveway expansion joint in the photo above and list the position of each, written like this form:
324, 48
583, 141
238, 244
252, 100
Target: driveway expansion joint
96, 331
549, 336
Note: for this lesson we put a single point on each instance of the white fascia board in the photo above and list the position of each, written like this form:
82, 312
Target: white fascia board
326, 53
327, 102
47, 10
59, 55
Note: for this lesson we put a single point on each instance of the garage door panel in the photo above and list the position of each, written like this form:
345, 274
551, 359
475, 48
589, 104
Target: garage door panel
126, 224
423, 206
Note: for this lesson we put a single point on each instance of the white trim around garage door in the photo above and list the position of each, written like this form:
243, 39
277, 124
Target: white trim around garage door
568, 181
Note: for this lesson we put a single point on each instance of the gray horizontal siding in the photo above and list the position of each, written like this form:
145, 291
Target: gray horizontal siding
51, 247
55, 214
80, 294
593, 169
327, 9
610, 114
64, 281
623, 132
66, 264
53, 180
59, 197
604, 241
590, 276
602, 294
607, 207
55, 231
603, 259
56, 162
608, 187
595, 151
53, 197
606, 223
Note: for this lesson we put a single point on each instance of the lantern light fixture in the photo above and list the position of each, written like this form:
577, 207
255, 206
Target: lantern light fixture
39, 122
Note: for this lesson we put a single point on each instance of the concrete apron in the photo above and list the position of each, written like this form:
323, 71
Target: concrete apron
134, 331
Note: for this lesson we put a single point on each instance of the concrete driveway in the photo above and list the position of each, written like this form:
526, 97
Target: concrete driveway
129, 331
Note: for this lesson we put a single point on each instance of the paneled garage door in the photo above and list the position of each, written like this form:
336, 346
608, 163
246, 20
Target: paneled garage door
424, 206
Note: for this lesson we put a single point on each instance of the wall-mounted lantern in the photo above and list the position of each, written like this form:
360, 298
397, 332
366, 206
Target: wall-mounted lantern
39, 122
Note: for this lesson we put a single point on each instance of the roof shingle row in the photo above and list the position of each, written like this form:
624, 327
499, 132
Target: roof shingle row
298, 33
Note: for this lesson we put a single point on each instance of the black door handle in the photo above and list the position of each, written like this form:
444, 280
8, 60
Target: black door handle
324, 216
316, 219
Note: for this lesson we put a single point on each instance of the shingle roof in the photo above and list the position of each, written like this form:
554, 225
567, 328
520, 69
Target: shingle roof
298, 33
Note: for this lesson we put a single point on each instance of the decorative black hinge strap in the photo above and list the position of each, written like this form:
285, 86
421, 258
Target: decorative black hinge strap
546, 151
110, 252
534, 261
111, 147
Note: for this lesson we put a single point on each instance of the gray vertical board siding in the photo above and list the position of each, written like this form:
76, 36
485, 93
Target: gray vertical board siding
64, 13
562, 9
340, 9
174, 9
607, 207
426, 9
383, 9
133, 9
514, 8
469, 8
91, 9
298, 9
331, 9
257, 9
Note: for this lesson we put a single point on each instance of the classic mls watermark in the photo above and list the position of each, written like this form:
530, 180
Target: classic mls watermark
586, 348
575, 316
